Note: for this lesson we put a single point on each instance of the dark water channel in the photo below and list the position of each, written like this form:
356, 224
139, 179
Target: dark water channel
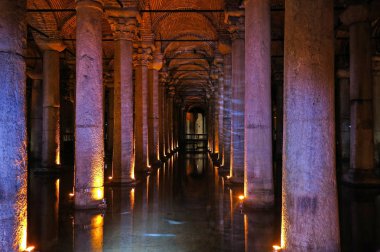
183, 206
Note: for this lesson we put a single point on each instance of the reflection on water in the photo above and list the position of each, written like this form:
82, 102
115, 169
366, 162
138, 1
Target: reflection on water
182, 206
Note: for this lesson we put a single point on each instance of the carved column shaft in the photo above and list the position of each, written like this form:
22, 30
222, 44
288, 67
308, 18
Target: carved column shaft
125, 30
141, 61
89, 140
13, 139
309, 192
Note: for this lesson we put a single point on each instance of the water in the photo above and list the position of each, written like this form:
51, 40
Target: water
183, 206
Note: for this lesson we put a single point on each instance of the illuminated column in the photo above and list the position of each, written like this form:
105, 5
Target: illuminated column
51, 102
167, 123
161, 99
220, 105
123, 24
171, 118
376, 106
343, 138
361, 138
13, 156
141, 60
236, 29
227, 88
153, 129
36, 120
215, 120
309, 191
89, 141
258, 166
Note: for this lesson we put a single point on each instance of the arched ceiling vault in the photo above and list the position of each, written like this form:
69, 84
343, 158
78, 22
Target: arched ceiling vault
187, 35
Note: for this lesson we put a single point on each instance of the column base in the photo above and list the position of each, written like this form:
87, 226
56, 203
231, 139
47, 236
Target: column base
86, 198
360, 177
259, 201
128, 182
234, 181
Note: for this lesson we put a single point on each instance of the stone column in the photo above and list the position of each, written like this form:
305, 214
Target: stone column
89, 141
227, 87
376, 107
343, 138
51, 102
161, 98
169, 111
309, 191
141, 60
220, 109
166, 122
13, 138
361, 138
36, 120
110, 120
258, 160
215, 120
123, 24
153, 112
237, 107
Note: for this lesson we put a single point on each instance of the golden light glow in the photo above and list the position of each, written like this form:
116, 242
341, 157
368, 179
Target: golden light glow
99, 193
276, 248
132, 174
71, 194
147, 189
24, 235
97, 232
241, 197
57, 140
29, 249
132, 198
110, 177
246, 232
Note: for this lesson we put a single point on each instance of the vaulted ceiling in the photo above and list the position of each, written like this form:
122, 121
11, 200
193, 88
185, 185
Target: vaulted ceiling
187, 32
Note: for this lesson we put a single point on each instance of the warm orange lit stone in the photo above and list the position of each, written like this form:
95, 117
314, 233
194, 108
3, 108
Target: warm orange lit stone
124, 29
141, 60
309, 192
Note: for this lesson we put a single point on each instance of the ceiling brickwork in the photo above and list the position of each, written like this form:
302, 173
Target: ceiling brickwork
186, 35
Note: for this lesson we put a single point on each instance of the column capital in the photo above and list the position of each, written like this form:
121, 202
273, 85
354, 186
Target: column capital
157, 61
224, 47
124, 28
49, 44
142, 57
171, 91
163, 76
235, 24
355, 14
98, 4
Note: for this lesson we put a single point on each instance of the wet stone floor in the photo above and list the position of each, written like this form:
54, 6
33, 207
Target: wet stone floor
182, 206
